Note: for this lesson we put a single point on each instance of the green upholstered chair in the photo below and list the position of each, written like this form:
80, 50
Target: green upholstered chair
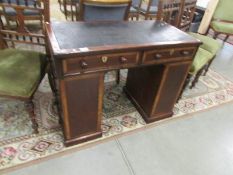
222, 21
20, 74
21, 71
203, 58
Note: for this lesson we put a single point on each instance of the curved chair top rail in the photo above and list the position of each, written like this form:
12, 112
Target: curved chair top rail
23, 3
104, 10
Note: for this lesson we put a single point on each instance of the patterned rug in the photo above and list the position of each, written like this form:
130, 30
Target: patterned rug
18, 146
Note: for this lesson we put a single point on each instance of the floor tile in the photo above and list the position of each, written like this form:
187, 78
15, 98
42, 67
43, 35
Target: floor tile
224, 59
197, 145
103, 159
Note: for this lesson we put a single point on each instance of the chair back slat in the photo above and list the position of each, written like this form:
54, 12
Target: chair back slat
10, 37
188, 9
101, 10
169, 11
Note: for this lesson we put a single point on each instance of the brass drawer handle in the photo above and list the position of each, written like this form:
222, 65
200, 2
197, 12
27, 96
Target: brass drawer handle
157, 56
185, 52
123, 59
83, 64
104, 59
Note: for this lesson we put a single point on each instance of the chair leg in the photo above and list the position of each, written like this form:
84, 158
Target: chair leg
76, 12
65, 9
196, 78
55, 103
30, 108
59, 2
215, 35
226, 38
186, 83
208, 66
118, 76
52, 83
207, 31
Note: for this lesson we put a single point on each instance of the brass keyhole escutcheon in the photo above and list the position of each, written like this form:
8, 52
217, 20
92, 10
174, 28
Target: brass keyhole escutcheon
172, 51
104, 59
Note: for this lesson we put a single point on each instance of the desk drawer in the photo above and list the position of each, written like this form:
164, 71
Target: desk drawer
100, 62
163, 55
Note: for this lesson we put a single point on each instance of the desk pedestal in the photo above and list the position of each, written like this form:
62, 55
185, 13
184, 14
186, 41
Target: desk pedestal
152, 89
82, 98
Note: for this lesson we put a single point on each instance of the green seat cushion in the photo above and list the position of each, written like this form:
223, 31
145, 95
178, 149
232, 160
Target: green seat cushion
222, 27
20, 72
209, 43
202, 57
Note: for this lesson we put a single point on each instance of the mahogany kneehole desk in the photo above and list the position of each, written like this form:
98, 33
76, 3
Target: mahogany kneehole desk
157, 55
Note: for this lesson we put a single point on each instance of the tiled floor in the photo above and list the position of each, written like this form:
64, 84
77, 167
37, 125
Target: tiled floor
201, 144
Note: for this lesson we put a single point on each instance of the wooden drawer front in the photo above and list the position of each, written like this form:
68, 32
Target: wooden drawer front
100, 62
163, 55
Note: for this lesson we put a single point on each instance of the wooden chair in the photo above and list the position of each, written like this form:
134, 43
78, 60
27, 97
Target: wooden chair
24, 10
70, 9
169, 11
21, 70
104, 10
188, 8
149, 10
222, 22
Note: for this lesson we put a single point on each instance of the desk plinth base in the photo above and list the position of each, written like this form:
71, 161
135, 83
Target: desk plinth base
85, 138
148, 119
